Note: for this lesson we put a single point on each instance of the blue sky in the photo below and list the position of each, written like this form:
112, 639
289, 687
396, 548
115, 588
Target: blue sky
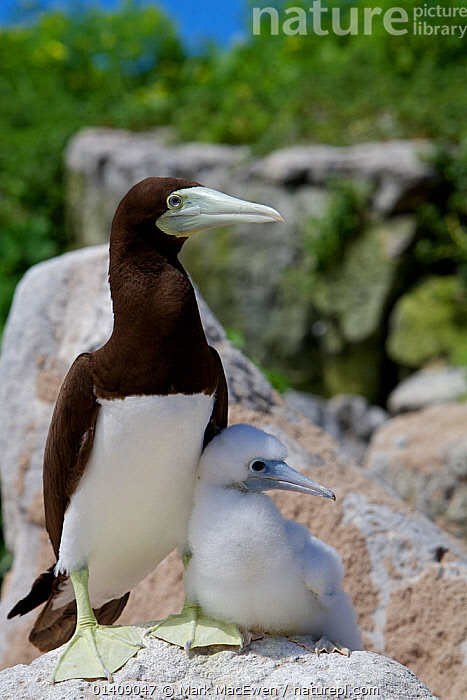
220, 20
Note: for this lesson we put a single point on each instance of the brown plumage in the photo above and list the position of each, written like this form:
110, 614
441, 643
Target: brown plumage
157, 346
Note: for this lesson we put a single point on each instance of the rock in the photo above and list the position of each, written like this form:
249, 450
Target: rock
356, 290
422, 456
247, 385
111, 160
349, 418
273, 664
352, 299
416, 338
396, 165
285, 326
356, 416
313, 408
389, 551
427, 387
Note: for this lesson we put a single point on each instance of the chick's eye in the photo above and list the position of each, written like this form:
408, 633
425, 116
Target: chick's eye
174, 201
257, 466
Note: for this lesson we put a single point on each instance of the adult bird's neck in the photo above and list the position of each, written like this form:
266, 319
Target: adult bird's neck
158, 345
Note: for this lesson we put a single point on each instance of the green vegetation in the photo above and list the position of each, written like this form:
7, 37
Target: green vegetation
326, 238
236, 337
440, 331
276, 379
442, 246
281, 89
57, 76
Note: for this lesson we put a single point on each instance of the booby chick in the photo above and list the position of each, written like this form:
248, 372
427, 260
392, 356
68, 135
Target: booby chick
128, 429
249, 565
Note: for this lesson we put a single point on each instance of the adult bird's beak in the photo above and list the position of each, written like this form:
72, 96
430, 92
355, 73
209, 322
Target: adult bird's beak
198, 208
278, 475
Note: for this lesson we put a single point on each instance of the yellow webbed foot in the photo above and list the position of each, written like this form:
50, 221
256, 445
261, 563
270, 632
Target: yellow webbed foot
96, 652
192, 628
323, 644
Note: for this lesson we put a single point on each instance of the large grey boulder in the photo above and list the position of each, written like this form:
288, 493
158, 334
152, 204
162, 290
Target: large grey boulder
113, 160
260, 281
407, 579
397, 166
371, 262
272, 666
352, 300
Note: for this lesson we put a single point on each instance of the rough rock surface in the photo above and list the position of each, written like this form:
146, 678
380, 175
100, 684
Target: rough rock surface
428, 387
370, 262
422, 456
273, 663
349, 418
287, 324
397, 165
61, 308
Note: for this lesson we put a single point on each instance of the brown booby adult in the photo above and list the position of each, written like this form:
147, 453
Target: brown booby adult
128, 428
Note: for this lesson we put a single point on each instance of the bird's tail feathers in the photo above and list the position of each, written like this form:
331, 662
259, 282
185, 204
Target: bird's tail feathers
40, 591
55, 625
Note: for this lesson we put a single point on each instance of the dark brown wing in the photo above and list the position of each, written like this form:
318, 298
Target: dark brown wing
220, 411
67, 449
69, 444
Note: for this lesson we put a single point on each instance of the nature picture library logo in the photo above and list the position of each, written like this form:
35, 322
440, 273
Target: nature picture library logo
426, 19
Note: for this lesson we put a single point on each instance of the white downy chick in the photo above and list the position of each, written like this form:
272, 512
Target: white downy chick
249, 565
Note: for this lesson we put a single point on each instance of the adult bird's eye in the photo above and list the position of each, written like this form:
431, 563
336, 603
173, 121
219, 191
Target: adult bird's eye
257, 466
174, 201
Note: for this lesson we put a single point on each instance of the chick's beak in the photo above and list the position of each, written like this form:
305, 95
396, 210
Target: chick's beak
278, 475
